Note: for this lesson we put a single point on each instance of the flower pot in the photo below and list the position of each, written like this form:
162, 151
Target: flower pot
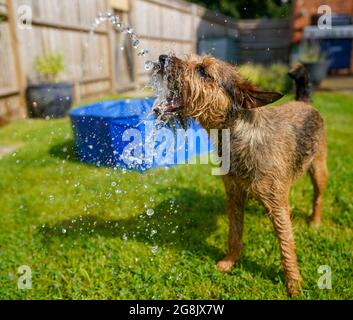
317, 71
51, 100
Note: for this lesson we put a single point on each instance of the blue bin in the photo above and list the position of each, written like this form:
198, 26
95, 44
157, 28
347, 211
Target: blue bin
101, 136
338, 52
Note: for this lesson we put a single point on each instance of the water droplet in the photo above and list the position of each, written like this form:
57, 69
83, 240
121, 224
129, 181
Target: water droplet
154, 249
150, 212
63, 230
143, 53
135, 43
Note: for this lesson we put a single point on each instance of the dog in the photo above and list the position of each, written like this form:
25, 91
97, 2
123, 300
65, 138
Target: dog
269, 146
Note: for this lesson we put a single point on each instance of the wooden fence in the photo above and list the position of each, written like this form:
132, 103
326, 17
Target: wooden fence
106, 62
264, 41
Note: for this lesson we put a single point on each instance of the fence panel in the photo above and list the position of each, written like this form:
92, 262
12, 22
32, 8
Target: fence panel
9, 88
264, 41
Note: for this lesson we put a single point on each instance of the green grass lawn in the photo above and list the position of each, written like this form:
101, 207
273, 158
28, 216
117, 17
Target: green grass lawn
85, 233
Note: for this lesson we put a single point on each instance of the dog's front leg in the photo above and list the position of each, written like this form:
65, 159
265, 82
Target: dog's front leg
235, 209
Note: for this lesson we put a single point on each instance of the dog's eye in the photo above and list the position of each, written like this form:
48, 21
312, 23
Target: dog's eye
202, 72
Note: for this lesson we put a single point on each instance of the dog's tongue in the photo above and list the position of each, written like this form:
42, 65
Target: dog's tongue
167, 107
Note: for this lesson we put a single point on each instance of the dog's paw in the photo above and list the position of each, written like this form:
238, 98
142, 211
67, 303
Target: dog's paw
294, 288
225, 265
314, 222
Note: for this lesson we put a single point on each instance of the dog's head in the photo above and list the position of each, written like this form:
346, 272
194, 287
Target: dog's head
205, 89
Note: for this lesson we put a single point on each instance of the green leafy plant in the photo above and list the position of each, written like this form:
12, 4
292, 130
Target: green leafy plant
49, 66
310, 52
271, 78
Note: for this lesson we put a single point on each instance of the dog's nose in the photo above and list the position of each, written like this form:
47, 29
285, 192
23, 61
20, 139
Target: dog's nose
163, 58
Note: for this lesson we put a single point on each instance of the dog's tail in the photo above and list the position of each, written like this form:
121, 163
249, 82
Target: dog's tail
302, 82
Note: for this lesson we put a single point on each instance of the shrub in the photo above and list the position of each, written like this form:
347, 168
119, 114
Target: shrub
272, 78
310, 52
50, 65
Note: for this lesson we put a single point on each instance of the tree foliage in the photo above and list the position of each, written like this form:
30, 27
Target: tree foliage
249, 9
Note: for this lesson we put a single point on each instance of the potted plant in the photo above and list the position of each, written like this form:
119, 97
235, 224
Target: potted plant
49, 98
315, 61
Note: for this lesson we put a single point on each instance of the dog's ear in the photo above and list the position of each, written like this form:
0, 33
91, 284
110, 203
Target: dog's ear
245, 95
255, 99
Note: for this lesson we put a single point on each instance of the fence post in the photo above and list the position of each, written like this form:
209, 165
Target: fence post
20, 76
111, 48
131, 19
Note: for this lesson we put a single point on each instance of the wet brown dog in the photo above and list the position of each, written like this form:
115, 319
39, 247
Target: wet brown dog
269, 147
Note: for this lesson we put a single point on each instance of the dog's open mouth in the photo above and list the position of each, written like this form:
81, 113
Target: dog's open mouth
171, 106
169, 112
168, 105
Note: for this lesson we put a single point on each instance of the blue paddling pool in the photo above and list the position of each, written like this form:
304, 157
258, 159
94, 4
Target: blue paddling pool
124, 133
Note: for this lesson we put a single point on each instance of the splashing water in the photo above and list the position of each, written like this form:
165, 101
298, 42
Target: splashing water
117, 24
157, 83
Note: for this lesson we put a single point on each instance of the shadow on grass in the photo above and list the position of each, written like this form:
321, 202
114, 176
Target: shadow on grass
65, 151
184, 230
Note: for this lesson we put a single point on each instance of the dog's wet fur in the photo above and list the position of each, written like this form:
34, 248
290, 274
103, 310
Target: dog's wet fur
269, 146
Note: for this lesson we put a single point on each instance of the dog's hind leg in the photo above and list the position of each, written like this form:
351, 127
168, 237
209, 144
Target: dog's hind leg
235, 209
318, 174
283, 226
279, 211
